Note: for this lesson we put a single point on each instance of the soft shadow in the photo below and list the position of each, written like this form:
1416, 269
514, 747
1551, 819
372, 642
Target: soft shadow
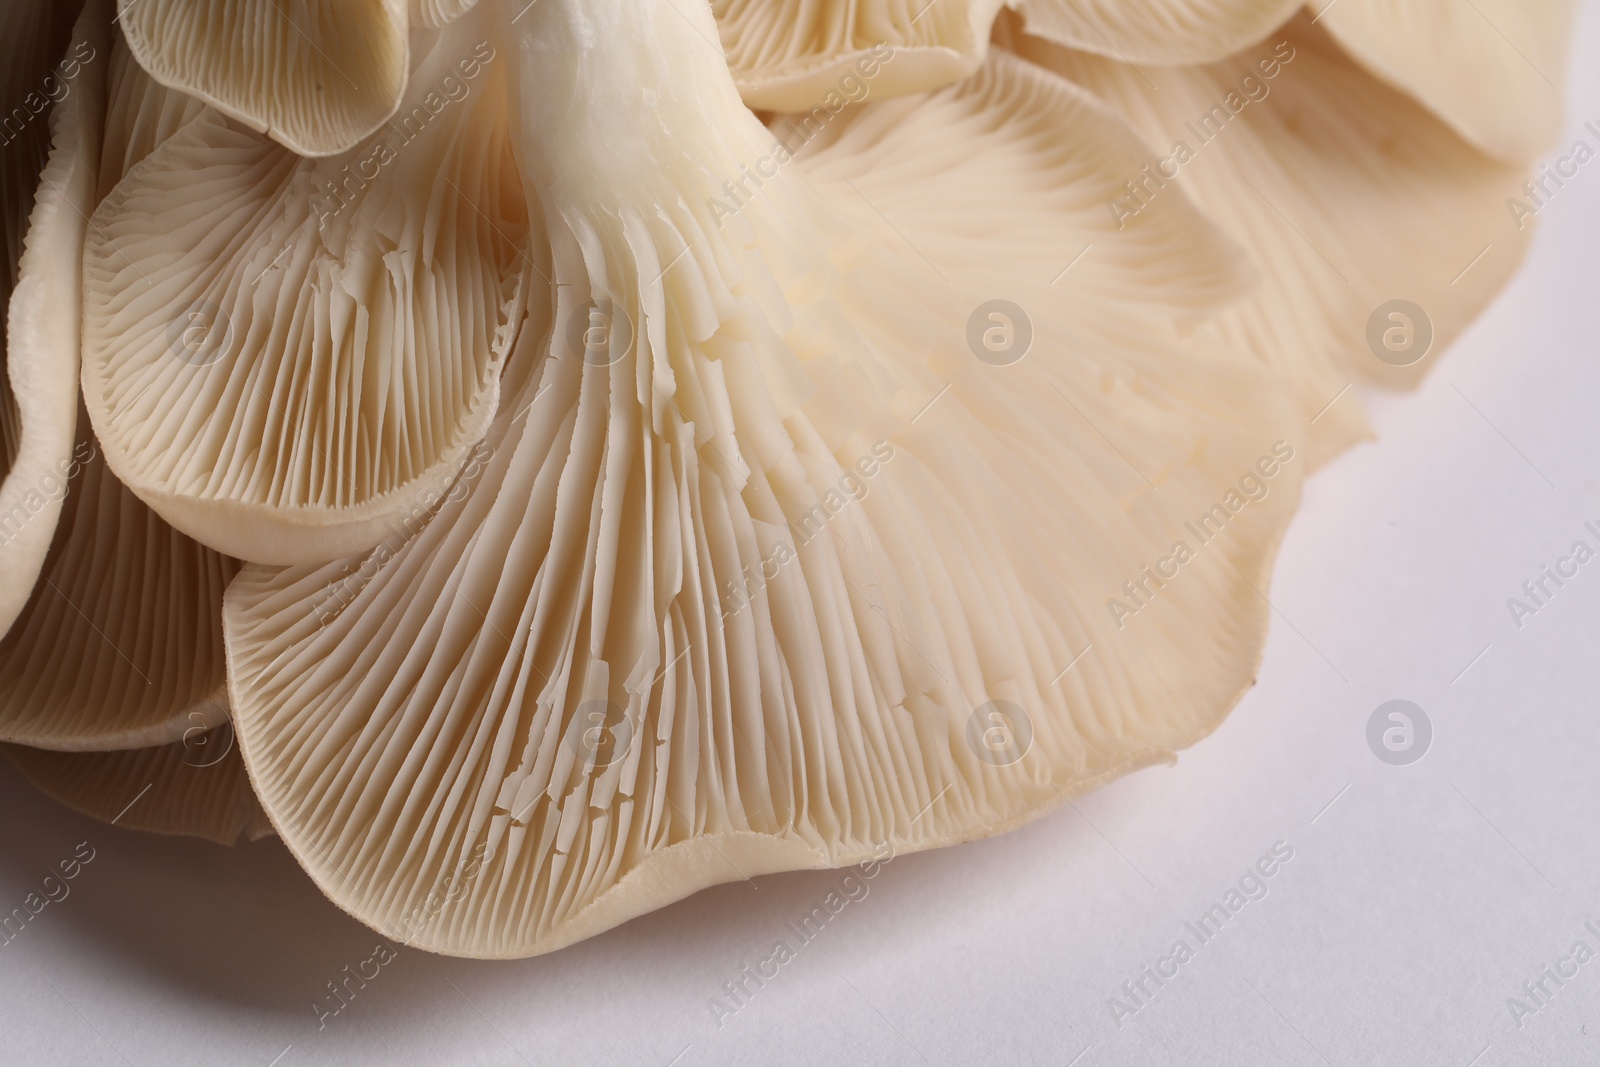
245, 927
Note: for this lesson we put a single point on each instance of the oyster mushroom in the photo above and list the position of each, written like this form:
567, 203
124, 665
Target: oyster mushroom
39, 405
318, 76
141, 115
288, 358
1492, 69
763, 552
857, 483
1347, 195
196, 787
120, 643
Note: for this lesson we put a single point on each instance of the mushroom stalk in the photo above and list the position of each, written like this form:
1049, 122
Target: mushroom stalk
625, 102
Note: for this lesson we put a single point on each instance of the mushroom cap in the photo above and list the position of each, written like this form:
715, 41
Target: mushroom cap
289, 358
779, 568
1348, 196
39, 407
317, 76
196, 787
1492, 69
141, 115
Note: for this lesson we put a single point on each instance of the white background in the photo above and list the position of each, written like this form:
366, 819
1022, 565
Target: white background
1415, 904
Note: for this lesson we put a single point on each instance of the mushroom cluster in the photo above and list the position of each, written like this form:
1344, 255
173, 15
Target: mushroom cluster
541, 458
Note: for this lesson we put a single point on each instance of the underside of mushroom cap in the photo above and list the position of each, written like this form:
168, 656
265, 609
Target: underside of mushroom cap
1354, 201
288, 359
791, 55
777, 566
141, 115
1026, 163
196, 787
1492, 69
120, 645
42, 328
1156, 31
33, 36
318, 76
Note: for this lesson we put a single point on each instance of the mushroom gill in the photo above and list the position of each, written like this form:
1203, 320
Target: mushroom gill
42, 331
318, 76
195, 787
288, 358
574, 489
1156, 32
1346, 194
785, 546
120, 641
1492, 69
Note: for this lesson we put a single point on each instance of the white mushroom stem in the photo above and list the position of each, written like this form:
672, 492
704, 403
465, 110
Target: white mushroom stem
626, 102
